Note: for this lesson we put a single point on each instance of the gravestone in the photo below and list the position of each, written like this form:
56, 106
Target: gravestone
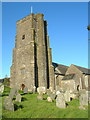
8, 104
60, 101
25, 90
34, 89
67, 96
13, 92
57, 92
83, 97
49, 92
1, 88
18, 97
49, 99
41, 90
53, 96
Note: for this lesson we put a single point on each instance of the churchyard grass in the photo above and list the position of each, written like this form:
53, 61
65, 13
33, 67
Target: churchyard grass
30, 107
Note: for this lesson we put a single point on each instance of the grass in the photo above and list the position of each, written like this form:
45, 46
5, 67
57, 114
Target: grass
30, 107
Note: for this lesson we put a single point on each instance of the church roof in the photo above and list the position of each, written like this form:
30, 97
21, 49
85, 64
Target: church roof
68, 77
83, 70
61, 68
1, 80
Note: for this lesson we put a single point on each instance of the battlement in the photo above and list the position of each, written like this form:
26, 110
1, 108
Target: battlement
28, 17
24, 19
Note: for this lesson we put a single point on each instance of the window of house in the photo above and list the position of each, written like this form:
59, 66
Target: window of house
23, 37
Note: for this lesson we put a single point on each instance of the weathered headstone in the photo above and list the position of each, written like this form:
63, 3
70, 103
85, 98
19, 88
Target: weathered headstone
53, 96
41, 90
8, 104
49, 99
57, 92
67, 96
1, 88
83, 97
25, 90
34, 89
18, 97
13, 92
49, 92
60, 101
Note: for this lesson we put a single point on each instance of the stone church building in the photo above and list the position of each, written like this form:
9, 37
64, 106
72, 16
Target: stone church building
32, 60
72, 78
32, 57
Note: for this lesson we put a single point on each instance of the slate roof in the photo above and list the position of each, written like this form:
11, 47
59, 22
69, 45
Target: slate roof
83, 70
60, 67
1, 80
68, 77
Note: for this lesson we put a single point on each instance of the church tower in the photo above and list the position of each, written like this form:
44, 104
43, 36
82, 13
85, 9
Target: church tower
32, 58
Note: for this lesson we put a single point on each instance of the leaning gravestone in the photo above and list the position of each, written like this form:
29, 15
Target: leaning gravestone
83, 97
13, 92
18, 97
25, 90
60, 101
8, 104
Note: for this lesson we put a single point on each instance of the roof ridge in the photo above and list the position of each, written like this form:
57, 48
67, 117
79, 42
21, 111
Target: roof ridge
80, 67
60, 64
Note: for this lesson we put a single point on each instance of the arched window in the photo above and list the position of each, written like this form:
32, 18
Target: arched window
22, 87
78, 87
